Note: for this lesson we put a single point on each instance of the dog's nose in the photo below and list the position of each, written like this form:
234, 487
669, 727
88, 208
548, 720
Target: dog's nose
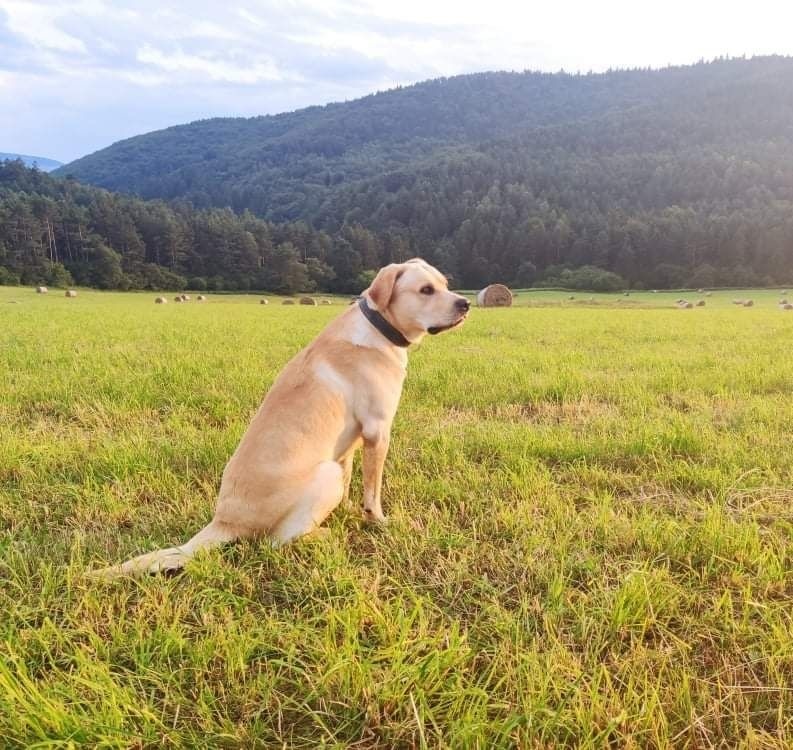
463, 304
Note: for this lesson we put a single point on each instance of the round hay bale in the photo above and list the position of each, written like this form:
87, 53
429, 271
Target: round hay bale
571, 297
185, 298
264, 302
160, 301
71, 293
738, 302
307, 301
200, 298
178, 298
748, 303
626, 294
700, 291
783, 302
654, 291
288, 302
495, 295
708, 294
41, 290
701, 303
684, 305
787, 306
324, 302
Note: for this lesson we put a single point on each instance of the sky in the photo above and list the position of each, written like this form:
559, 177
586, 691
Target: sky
78, 76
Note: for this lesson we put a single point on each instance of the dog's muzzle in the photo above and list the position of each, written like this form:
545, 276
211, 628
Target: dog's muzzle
463, 305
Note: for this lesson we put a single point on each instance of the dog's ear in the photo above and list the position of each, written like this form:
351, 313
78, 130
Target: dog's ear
382, 288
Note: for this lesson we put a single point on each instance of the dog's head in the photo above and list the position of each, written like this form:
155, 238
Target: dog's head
415, 298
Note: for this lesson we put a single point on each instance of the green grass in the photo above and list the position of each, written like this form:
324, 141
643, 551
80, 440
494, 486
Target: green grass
591, 540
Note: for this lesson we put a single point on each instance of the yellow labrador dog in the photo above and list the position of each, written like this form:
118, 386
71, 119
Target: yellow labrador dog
294, 463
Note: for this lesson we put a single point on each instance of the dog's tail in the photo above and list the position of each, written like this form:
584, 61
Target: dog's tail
172, 558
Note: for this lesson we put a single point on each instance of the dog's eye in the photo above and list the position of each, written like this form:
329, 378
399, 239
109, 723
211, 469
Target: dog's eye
427, 289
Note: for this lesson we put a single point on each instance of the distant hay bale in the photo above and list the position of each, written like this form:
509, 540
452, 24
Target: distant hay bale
684, 305
783, 301
701, 303
264, 302
178, 298
748, 303
700, 291
787, 306
738, 302
307, 301
200, 298
708, 294
571, 297
626, 294
185, 298
288, 302
654, 291
495, 295
324, 302
41, 290
160, 301
71, 293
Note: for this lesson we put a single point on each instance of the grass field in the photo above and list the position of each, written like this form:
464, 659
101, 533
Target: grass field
591, 539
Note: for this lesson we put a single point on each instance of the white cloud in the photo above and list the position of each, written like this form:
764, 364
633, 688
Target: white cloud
246, 15
141, 78
38, 25
105, 69
215, 68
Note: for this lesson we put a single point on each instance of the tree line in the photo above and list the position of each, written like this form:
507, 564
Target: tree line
59, 232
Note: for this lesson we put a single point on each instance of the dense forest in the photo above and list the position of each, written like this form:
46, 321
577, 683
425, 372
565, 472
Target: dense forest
663, 178
59, 232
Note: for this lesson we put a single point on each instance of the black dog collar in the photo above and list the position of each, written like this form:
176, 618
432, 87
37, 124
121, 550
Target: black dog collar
381, 324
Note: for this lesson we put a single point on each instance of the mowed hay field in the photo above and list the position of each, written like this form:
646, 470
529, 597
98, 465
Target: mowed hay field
591, 539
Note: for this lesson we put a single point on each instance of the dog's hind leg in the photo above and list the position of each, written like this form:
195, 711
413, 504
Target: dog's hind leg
346, 465
172, 558
322, 492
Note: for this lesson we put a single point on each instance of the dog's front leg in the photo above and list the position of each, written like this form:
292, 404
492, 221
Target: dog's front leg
376, 438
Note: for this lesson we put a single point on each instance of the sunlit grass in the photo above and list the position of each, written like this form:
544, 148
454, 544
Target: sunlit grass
591, 540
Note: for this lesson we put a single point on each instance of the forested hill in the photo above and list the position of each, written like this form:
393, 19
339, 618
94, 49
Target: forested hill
285, 167
662, 176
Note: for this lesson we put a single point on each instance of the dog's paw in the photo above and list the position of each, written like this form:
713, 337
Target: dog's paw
317, 534
374, 517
